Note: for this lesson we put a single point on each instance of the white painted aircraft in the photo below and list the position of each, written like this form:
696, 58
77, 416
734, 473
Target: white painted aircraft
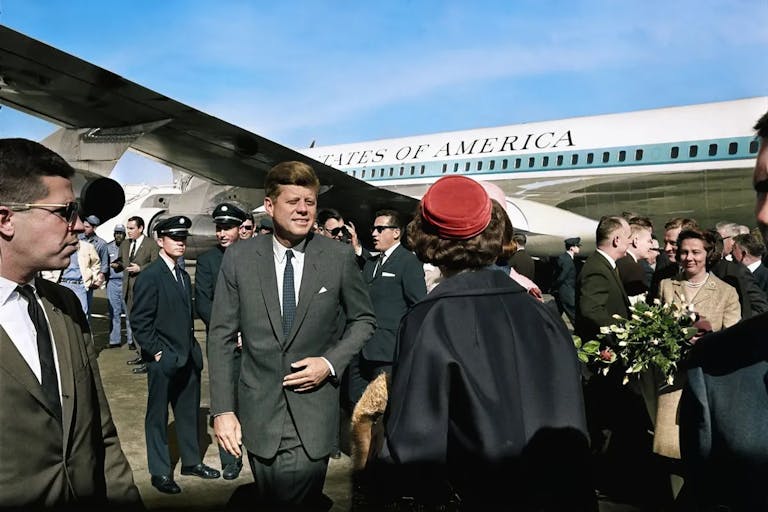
559, 176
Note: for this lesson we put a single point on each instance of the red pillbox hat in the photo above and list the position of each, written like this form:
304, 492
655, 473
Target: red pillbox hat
458, 207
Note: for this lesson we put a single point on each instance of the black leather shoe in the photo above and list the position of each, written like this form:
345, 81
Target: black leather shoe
140, 369
131, 346
232, 470
200, 470
136, 360
165, 483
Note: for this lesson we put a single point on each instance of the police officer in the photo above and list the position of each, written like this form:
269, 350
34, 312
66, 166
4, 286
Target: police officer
162, 323
228, 218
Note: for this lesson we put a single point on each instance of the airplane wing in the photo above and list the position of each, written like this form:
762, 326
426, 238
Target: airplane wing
43, 81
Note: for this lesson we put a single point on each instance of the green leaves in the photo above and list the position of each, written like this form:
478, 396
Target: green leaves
653, 335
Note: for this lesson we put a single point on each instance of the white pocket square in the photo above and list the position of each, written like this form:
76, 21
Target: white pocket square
387, 274
322, 290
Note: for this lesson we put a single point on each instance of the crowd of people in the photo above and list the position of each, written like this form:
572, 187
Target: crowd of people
461, 378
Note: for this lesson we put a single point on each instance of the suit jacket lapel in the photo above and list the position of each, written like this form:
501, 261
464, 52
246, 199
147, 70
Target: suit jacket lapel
268, 277
614, 271
64, 356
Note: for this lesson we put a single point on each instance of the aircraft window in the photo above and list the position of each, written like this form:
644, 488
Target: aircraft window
354, 173
622, 155
479, 165
517, 163
402, 170
445, 168
693, 151
421, 171
606, 156
531, 161
413, 169
712, 149
675, 152
639, 154
753, 146
504, 164
559, 159
492, 164
456, 167
466, 167
362, 173
733, 148
574, 159
391, 171
590, 158
545, 161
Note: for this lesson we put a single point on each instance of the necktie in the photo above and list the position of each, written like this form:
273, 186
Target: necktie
50, 382
179, 276
289, 295
133, 251
379, 264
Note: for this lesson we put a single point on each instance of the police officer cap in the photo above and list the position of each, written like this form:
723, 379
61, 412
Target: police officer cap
93, 220
119, 228
174, 226
228, 213
570, 242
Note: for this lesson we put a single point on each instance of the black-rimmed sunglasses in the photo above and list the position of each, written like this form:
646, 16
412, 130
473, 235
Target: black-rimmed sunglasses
338, 230
380, 229
247, 228
69, 211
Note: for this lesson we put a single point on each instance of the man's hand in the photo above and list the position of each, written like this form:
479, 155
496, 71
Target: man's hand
308, 374
228, 433
133, 268
353, 237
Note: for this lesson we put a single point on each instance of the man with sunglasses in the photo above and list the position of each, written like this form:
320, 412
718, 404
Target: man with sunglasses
246, 228
229, 219
59, 444
395, 279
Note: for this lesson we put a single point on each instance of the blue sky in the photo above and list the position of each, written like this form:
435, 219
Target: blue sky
344, 71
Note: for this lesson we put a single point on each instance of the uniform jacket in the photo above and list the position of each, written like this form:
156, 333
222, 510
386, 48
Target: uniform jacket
724, 417
564, 281
40, 466
715, 301
247, 300
523, 263
397, 285
206, 272
161, 318
599, 296
145, 254
87, 260
486, 383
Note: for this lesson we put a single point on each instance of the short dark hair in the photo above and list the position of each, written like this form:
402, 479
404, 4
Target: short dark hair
290, 173
751, 244
394, 217
606, 227
520, 238
328, 213
23, 163
476, 252
682, 223
138, 220
762, 126
248, 216
711, 239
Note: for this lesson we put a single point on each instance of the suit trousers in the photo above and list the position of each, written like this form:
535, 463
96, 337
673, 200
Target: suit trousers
182, 391
291, 477
224, 455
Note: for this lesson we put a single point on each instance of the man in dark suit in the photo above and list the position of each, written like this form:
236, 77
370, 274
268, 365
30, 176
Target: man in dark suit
135, 255
748, 251
520, 260
724, 405
163, 325
630, 267
395, 278
564, 280
58, 444
284, 293
229, 219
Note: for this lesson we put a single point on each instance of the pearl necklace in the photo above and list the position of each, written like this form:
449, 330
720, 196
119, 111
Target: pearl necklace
699, 284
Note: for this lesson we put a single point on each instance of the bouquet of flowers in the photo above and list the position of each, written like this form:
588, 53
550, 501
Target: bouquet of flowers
654, 335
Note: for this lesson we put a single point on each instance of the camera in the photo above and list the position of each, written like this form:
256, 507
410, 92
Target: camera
343, 235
